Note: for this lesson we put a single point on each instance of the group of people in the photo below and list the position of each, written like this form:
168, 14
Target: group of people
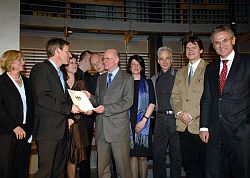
201, 112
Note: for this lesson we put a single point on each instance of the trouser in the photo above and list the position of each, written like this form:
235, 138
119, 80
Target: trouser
165, 135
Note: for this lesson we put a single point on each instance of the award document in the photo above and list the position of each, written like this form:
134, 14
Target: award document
81, 100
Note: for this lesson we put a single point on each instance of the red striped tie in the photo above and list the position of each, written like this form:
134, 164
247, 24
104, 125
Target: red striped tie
223, 75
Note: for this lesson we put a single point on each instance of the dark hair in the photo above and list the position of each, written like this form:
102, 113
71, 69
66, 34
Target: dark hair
83, 54
63, 67
194, 40
54, 43
140, 60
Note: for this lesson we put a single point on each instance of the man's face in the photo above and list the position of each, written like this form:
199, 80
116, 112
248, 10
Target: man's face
110, 60
84, 62
165, 60
223, 43
193, 52
96, 62
64, 54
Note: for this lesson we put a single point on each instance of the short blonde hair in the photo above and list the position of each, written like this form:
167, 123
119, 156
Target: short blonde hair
8, 57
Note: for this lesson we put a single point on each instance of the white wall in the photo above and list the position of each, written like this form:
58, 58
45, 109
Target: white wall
10, 25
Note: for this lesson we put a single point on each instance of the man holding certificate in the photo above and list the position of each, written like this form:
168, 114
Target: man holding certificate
113, 98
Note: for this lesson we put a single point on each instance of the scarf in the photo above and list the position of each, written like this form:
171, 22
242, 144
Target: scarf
141, 139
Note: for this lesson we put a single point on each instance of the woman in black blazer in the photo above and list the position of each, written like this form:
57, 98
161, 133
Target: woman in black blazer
15, 117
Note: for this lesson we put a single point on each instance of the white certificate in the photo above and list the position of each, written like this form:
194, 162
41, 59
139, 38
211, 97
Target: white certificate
80, 99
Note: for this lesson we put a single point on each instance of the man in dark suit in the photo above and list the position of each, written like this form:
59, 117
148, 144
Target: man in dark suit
82, 74
114, 97
52, 107
225, 110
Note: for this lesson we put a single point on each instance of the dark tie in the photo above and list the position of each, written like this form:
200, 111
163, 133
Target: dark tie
190, 75
223, 75
109, 79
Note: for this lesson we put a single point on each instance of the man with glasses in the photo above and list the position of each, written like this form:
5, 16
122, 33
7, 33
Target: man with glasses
165, 129
113, 98
225, 109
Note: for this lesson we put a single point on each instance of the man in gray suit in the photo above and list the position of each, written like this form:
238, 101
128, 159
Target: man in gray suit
113, 98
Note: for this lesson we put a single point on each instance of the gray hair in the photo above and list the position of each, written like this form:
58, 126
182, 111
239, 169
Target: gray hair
221, 28
164, 48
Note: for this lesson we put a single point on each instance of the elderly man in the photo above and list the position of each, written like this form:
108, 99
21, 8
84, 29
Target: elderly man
113, 98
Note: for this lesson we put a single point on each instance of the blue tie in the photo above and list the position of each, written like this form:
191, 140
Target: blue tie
190, 75
60, 74
109, 79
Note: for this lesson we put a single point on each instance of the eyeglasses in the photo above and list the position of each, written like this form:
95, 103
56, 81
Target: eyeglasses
97, 63
20, 59
165, 59
223, 41
108, 58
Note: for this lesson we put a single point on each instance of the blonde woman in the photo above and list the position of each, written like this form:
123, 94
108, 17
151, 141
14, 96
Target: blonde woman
15, 117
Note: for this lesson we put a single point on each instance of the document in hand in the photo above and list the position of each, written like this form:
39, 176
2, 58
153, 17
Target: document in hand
81, 100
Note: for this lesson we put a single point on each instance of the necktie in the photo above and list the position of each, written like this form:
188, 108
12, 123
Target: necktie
109, 79
190, 75
223, 75
60, 74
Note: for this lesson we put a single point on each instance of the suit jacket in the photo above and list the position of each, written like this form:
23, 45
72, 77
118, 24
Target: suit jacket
117, 99
11, 106
52, 105
227, 116
186, 97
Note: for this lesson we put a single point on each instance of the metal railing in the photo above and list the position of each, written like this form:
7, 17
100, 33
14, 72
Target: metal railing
184, 12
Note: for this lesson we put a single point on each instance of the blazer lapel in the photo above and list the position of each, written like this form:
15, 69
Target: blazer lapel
233, 73
216, 75
185, 75
115, 80
54, 74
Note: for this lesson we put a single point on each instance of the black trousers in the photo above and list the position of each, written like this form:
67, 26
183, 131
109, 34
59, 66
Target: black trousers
193, 154
84, 166
165, 134
14, 157
52, 156
228, 160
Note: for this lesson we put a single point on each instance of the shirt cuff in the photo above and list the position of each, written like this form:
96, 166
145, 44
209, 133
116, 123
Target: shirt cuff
178, 113
203, 129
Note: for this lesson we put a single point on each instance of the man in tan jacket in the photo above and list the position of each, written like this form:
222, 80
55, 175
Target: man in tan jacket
186, 95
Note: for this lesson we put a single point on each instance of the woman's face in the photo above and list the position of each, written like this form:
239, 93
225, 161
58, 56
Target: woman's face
135, 67
18, 64
72, 67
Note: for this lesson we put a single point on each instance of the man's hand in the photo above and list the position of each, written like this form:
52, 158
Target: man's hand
20, 133
99, 109
185, 118
75, 109
204, 135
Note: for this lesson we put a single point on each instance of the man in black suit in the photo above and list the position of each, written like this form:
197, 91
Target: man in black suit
83, 74
52, 107
225, 110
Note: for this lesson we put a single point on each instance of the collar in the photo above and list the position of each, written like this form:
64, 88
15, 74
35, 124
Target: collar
54, 64
230, 57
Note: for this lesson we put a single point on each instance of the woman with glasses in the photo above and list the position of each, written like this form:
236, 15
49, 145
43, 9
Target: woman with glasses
15, 117
140, 113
